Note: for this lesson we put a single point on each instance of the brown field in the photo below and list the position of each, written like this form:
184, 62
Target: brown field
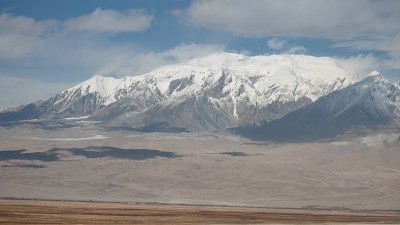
60, 212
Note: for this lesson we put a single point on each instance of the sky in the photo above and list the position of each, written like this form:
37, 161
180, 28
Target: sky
47, 46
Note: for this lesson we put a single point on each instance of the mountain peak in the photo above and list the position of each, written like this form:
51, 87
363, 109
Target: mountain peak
104, 86
95, 83
375, 73
375, 77
98, 77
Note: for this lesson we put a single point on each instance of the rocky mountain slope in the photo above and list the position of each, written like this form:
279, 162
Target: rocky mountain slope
218, 91
369, 105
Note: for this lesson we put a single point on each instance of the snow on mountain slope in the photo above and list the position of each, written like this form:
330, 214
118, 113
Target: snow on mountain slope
104, 86
368, 105
299, 73
374, 93
235, 89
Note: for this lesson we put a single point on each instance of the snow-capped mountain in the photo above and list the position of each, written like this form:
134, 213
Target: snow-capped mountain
218, 91
366, 106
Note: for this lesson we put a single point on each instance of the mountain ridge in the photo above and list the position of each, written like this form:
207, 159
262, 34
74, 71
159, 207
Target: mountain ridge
369, 105
221, 90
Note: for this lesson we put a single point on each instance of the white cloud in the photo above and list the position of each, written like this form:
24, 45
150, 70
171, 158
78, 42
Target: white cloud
111, 21
283, 47
57, 44
300, 50
276, 44
20, 35
298, 18
127, 61
387, 44
361, 65
391, 45
24, 38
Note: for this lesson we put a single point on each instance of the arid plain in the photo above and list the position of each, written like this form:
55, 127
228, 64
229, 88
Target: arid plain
82, 161
74, 160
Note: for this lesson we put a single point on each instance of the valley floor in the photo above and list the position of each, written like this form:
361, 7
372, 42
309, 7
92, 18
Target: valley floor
83, 162
59, 212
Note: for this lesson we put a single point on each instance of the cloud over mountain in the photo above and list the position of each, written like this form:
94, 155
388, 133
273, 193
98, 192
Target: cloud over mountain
301, 18
111, 21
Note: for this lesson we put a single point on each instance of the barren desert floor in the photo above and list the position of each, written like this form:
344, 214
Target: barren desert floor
59, 212
76, 161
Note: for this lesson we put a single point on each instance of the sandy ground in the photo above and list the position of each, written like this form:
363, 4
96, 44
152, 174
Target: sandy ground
85, 162
57, 212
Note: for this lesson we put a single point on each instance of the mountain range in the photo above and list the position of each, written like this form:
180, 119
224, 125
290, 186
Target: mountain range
267, 96
369, 105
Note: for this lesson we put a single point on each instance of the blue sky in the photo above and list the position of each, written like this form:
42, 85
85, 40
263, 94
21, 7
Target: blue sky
49, 45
